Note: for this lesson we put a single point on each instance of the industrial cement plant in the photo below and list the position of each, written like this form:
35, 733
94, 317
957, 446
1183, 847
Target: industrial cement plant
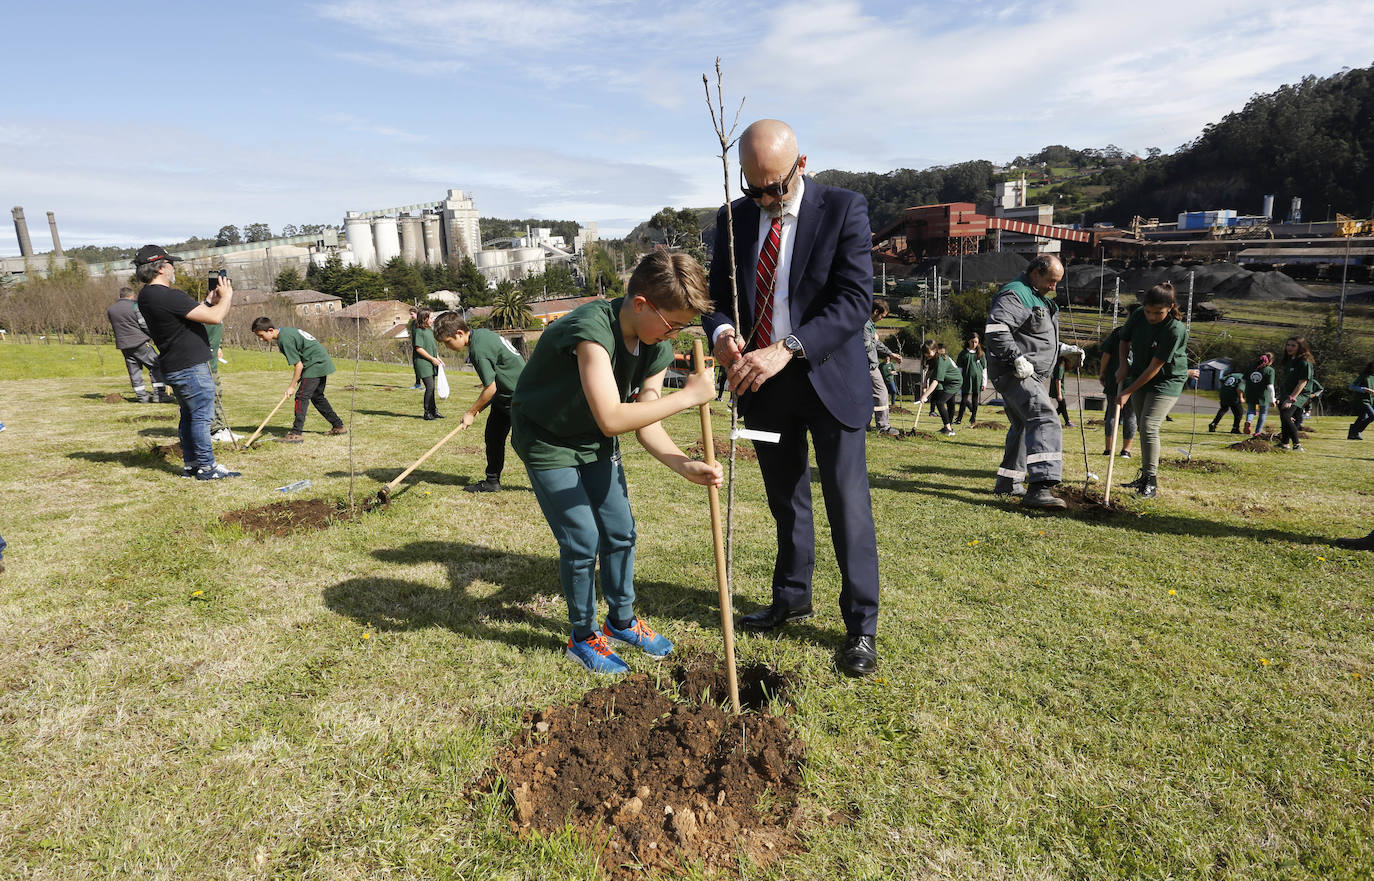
430, 232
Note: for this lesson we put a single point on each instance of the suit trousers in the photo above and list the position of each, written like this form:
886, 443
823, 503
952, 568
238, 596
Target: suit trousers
788, 404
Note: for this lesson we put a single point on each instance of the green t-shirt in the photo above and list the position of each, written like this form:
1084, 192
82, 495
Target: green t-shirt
946, 375
423, 338
1167, 341
496, 361
1111, 358
300, 347
971, 367
215, 333
1230, 388
1296, 371
551, 422
1258, 383
1366, 398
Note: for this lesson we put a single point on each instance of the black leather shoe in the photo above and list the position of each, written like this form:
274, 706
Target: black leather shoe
858, 656
773, 616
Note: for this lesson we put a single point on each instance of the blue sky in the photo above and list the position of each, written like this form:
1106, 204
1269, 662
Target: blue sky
137, 122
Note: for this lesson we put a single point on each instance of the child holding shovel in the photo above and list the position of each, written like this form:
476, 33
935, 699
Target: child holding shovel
1156, 340
944, 383
311, 366
498, 367
595, 374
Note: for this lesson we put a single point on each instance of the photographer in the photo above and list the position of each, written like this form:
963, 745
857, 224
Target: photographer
176, 324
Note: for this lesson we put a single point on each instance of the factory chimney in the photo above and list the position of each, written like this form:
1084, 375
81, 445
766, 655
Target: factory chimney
1268, 207
21, 230
56, 242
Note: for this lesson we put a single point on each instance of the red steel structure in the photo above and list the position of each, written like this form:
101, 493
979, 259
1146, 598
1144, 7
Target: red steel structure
954, 228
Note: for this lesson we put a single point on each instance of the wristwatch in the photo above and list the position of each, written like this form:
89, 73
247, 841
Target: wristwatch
794, 345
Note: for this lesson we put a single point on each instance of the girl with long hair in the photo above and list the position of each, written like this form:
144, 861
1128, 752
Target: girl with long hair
942, 382
1259, 392
1151, 379
972, 363
1299, 370
425, 358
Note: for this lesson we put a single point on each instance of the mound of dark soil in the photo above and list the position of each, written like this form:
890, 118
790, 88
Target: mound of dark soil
988, 268
1253, 445
990, 425
744, 450
167, 452
916, 433
286, 517
652, 784
1089, 502
1207, 466
113, 398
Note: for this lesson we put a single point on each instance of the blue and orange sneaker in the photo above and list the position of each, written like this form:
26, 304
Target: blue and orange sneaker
639, 635
596, 655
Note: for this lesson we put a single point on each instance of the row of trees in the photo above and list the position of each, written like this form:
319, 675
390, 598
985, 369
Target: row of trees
261, 232
892, 193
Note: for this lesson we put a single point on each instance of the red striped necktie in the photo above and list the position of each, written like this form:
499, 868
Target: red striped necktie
764, 276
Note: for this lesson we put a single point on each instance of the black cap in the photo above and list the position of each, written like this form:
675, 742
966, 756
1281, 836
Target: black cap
153, 253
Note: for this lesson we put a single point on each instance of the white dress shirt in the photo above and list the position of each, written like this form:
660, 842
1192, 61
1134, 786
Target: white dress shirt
782, 317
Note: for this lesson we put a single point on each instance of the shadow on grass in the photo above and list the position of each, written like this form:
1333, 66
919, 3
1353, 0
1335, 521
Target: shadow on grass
419, 415
527, 592
1150, 522
127, 458
433, 478
977, 473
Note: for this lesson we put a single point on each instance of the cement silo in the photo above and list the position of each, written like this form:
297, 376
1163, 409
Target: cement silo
56, 242
527, 261
386, 239
21, 232
433, 247
412, 240
494, 264
358, 231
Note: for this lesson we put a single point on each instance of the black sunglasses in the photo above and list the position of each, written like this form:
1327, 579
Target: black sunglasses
777, 190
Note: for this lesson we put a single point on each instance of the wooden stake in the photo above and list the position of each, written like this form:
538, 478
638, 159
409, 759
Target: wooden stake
284, 399
1111, 446
727, 619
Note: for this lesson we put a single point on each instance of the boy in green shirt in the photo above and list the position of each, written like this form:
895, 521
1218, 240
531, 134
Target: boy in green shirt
597, 373
498, 366
1363, 387
312, 368
1230, 398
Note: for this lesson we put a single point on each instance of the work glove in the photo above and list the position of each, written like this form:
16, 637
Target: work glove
1070, 350
1022, 367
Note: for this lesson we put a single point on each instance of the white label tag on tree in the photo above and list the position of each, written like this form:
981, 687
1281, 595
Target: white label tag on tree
768, 437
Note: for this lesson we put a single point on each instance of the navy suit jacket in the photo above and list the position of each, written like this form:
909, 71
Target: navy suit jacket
830, 292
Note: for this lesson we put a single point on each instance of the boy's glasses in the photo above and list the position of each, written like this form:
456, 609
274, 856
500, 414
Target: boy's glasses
672, 328
777, 190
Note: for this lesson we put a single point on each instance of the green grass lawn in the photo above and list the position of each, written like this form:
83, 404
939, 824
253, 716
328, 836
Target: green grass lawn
1183, 694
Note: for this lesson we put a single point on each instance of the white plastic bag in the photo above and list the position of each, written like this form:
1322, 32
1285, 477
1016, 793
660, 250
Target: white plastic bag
441, 384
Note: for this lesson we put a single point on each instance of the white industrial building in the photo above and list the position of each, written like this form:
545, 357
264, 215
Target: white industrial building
1009, 201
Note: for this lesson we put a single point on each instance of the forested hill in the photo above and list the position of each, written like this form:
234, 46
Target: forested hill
890, 193
1313, 139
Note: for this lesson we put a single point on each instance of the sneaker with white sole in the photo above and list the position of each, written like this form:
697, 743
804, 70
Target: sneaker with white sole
596, 655
215, 472
640, 635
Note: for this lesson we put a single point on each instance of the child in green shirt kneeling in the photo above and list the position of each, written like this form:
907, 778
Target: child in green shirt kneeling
597, 373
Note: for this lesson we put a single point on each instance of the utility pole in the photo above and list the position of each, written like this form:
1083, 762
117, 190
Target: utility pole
1340, 314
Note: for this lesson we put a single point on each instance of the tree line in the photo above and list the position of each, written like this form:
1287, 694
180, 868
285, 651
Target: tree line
1313, 139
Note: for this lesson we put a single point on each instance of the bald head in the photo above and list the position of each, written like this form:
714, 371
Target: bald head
1044, 273
767, 156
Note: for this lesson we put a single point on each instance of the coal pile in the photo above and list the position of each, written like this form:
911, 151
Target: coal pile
989, 268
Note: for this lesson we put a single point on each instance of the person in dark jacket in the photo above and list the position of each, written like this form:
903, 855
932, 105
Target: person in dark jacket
131, 338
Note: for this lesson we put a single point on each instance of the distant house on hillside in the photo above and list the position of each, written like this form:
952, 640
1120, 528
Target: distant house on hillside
548, 311
387, 318
303, 302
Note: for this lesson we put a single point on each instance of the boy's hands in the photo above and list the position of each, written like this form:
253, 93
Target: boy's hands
700, 387
701, 473
467, 420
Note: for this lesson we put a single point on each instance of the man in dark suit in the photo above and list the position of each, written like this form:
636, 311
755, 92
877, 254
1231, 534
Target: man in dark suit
796, 359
